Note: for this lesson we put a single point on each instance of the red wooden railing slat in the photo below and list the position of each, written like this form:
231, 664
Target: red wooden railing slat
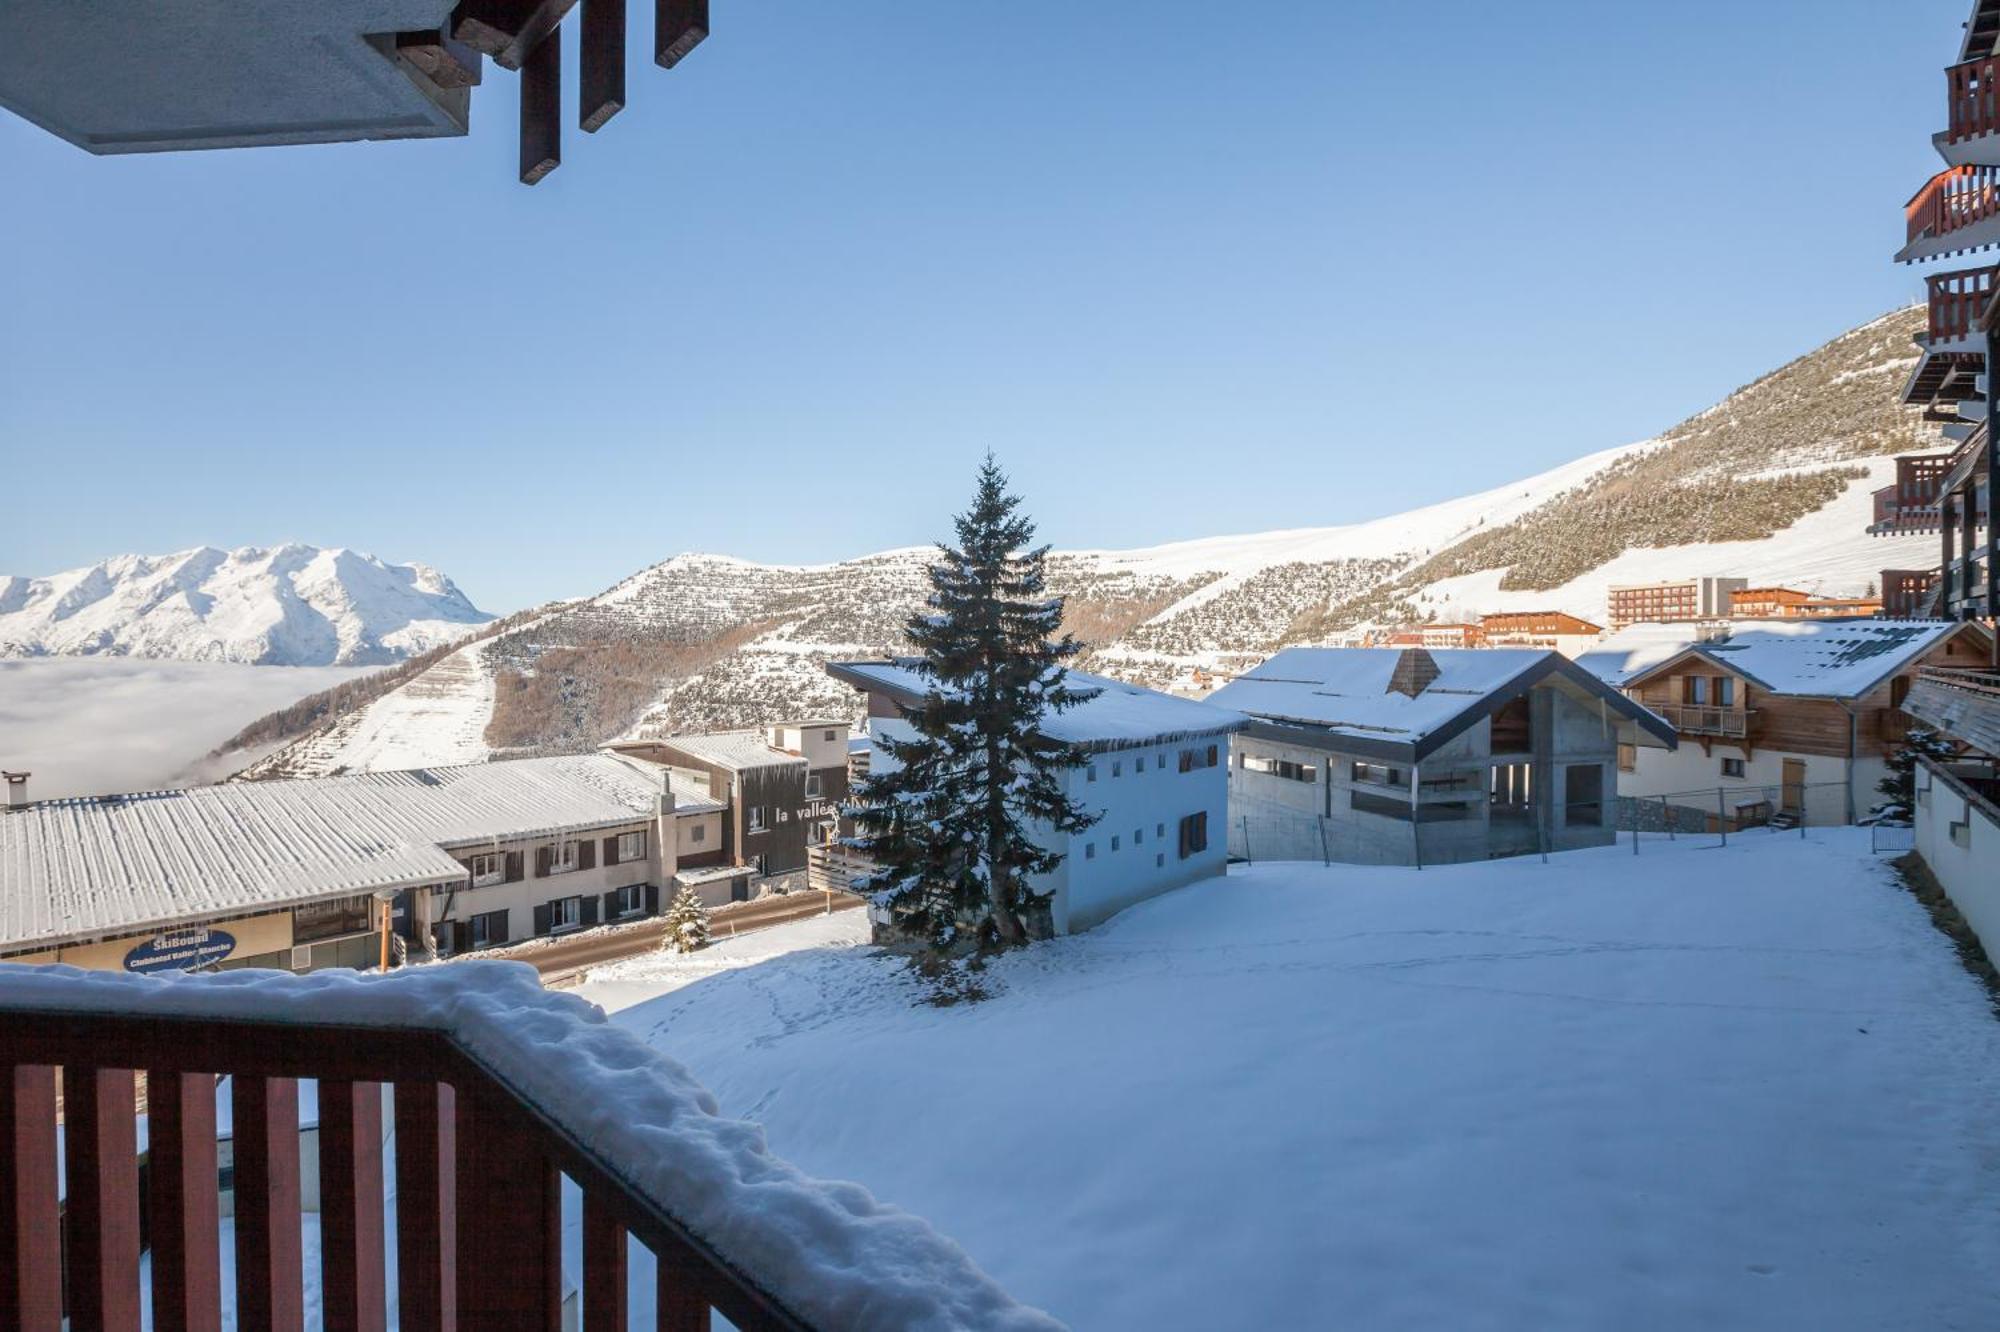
510, 1215
270, 1287
1970, 94
604, 1293
101, 1146
30, 1264
351, 1226
182, 1202
676, 1305
426, 1206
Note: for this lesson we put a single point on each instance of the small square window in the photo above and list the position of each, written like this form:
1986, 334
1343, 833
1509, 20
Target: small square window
1732, 767
698, 834
813, 787
829, 737
1114, 841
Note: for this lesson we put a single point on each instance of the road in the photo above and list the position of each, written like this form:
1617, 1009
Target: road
565, 959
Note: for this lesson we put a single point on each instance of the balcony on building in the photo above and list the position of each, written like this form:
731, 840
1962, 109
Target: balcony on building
1909, 594
1729, 722
1971, 136
454, 1102
1952, 346
1910, 504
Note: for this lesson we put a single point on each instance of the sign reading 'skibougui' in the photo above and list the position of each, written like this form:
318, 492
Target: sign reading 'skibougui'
180, 950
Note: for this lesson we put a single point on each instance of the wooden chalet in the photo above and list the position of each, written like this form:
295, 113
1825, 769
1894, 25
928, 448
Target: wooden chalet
1952, 229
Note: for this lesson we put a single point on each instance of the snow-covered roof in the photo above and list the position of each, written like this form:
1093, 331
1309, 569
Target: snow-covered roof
1812, 658
1345, 691
1116, 715
81, 868
735, 750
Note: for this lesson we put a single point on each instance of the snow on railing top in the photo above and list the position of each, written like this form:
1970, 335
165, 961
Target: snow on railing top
829, 1252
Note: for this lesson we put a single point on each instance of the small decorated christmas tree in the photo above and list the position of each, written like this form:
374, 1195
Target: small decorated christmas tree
687, 923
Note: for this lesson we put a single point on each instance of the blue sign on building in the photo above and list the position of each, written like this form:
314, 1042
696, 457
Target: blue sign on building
181, 950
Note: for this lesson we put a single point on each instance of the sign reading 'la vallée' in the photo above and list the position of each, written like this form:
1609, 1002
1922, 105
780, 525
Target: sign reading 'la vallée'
180, 950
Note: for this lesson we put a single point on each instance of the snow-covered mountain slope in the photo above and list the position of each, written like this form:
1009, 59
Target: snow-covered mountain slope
1772, 484
291, 605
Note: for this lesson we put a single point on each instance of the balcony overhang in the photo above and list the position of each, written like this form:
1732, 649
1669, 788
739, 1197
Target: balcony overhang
133, 76
1981, 235
1945, 376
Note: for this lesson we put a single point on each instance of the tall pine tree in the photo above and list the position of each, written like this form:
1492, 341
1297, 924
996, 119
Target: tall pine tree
950, 824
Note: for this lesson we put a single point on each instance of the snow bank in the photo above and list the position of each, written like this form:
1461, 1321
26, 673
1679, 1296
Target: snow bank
828, 1251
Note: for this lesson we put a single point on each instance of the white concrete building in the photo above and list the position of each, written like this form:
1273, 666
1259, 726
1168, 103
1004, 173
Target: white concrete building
1156, 776
1415, 756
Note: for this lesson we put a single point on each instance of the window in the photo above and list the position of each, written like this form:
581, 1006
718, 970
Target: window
1160, 830
1159, 860
1694, 689
487, 869
755, 815
1138, 837
813, 787
1732, 767
1192, 759
1628, 758
562, 857
1583, 795
1400, 809
1090, 850
487, 929
828, 737
565, 913
1285, 768
697, 834
1725, 691
1376, 774
629, 900
1114, 841
1117, 768
1139, 763
1090, 772
631, 846
1194, 834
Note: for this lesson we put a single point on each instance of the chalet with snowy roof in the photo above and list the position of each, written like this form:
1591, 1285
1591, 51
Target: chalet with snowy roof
1156, 775
1413, 756
326, 871
781, 786
1784, 720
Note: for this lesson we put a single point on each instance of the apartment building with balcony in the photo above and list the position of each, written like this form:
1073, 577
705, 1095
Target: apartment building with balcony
1565, 633
1706, 598
1803, 710
1951, 231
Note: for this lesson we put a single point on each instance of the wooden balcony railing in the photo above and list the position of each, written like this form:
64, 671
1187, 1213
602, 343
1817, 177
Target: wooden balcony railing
1956, 197
1969, 88
1694, 719
499, 1090
1957, 300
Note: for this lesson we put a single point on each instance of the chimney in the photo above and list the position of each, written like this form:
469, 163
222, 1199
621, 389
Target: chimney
17, 790
1414, 672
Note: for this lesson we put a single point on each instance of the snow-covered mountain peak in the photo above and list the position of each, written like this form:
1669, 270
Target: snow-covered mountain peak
290, 604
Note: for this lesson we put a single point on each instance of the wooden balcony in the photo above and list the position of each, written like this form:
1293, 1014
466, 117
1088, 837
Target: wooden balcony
1699, 719
1969, 91
499, 1090
1944, 216
1957, 300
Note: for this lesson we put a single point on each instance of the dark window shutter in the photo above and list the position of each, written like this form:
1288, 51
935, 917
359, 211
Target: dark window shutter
541, 864
586, 854
1211, 756
1187, 826
611, 904
514, 859
460, 937
652, 899
542, 911
611, 850
586, 910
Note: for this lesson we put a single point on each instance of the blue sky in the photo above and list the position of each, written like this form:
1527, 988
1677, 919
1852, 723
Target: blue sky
1187, 268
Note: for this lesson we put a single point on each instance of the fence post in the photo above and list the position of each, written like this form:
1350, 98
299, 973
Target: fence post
1666, 819
1325, 856
1635, 827
1247, 857
1721, 822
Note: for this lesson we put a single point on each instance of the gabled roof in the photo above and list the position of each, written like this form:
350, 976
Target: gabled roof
81, 868
734, 750
1807, 658
1344, 693
1117, 716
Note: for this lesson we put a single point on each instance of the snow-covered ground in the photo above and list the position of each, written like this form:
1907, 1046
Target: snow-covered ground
88, 725
1719, 1088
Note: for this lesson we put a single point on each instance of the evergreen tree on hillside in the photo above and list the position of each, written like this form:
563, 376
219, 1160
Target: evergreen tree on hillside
1899, 787
948, 822
687, 923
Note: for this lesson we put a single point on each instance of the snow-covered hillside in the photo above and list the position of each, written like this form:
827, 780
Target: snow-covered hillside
290, 605
1746, 1088
1772, 484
